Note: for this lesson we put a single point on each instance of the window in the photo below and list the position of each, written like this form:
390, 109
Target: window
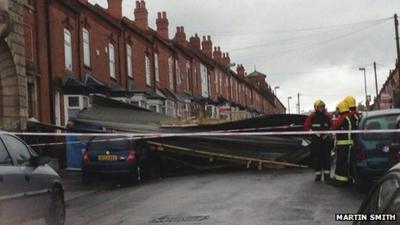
73, 105
86, 47
148, 73
220, 83
68, 49
73, 101
57, 107
178, 73
204, 81
187, 76
153, 108
377, 123
129, 60
4, 156
111, 59
31, 100
18, 149
156, 67
171, 73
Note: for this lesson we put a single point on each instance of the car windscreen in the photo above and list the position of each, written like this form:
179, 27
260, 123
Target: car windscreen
380, 123
110, 143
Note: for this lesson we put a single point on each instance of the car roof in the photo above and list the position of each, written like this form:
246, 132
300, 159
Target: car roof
396, 167
381, 112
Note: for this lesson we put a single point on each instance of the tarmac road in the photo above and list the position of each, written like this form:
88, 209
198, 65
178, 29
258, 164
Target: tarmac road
245, 197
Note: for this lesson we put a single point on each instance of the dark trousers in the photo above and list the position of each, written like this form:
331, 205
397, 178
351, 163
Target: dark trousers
321, 151
342, 162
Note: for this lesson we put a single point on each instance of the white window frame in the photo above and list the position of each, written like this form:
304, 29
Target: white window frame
178, 73
86, 46
171, 73
82, 105
148, 71
156, 66
129, 65
68, 49
57, 108
220, 83
204, 81
111, 60
187, 76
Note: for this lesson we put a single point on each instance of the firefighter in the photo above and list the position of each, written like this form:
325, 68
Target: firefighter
344, 144
320, 120
354, 115
355, 120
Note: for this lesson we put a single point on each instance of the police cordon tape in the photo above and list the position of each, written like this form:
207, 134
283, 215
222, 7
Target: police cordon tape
202, 134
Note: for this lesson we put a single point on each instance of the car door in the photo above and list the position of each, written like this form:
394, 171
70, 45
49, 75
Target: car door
37, 190
382, 199
12, 190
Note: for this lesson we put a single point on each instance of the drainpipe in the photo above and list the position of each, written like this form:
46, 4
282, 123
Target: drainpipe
49, 62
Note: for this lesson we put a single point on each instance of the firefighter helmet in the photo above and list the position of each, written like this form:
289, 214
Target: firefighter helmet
351, 101
319, 103
343, 107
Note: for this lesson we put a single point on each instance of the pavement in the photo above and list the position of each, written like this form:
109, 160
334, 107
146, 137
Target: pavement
282, 197
73, 187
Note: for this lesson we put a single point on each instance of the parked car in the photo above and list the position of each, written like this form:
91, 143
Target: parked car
394, 150
383, 198
117, 156
371, 151
29, 189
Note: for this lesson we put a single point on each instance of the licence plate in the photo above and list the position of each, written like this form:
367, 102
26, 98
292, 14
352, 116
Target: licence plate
107, 158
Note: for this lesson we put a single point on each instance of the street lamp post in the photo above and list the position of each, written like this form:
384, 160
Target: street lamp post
365, 86
288, 103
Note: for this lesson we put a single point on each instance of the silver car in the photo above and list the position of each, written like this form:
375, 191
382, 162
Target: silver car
29, 189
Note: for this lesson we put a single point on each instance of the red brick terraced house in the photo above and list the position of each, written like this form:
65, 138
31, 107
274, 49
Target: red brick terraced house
76, 50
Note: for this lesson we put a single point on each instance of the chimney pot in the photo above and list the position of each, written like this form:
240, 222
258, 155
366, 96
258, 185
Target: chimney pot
164, 14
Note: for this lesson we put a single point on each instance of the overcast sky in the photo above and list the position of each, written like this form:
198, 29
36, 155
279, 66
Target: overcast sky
312, 47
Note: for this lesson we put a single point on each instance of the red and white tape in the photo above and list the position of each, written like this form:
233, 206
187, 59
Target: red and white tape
202, 134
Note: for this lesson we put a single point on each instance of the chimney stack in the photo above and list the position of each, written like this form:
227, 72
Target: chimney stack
162, 25
180, 35
225, 59
207, 46
217, 54
195, 42
141, 15
114, 8
240, 71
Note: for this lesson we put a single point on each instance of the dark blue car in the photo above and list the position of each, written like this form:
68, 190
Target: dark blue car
115, 156
371, 151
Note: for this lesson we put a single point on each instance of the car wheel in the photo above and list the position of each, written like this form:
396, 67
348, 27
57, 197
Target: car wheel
56, 214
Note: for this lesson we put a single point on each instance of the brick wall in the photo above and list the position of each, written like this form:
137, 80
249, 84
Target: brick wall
13, 84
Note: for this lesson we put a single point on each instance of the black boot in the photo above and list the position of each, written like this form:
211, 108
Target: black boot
327, 178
